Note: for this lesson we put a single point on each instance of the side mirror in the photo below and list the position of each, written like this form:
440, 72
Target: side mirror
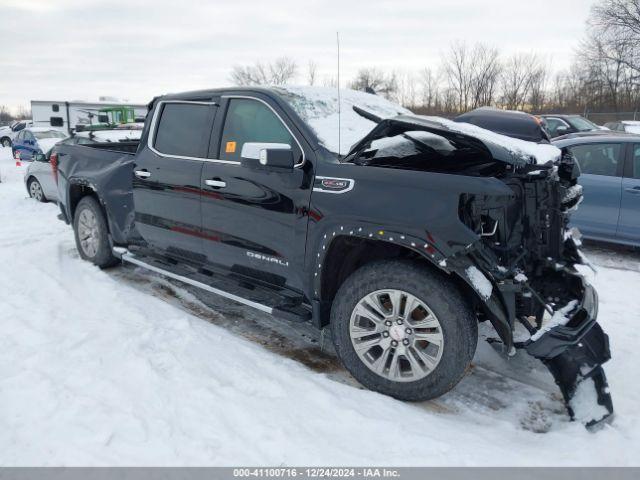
277, 156
561, 130
40, 157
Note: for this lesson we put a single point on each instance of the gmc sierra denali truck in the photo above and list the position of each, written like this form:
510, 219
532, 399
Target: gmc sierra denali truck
399, 246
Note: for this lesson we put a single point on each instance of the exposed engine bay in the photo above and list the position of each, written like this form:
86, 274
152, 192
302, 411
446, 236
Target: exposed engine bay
523, 263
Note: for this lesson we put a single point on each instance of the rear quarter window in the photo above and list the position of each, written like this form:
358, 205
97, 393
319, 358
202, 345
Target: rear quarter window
183, 129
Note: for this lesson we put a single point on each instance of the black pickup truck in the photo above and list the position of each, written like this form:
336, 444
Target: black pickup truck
400, 246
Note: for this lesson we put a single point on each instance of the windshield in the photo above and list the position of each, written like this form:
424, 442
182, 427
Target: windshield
582, 124
318, 107
49, 134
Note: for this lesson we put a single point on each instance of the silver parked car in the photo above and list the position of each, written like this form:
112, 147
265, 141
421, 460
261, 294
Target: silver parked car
39, 179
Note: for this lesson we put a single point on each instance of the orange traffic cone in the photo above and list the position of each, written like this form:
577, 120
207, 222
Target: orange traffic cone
17, 157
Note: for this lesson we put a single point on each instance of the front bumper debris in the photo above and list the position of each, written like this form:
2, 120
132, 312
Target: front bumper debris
574, 354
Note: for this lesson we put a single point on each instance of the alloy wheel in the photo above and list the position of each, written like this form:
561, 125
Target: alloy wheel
88, 233
396, 335
35, 190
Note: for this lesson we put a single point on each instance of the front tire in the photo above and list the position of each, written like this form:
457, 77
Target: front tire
403, 330
35, 191
5, 142
91, 233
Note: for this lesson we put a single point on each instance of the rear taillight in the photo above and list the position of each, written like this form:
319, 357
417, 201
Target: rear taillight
53, 159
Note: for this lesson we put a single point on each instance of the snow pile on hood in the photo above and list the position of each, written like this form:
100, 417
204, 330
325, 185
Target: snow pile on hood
318, 106
542, 152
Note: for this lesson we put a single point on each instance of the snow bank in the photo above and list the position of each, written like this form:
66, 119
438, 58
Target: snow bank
585, 403
318, 106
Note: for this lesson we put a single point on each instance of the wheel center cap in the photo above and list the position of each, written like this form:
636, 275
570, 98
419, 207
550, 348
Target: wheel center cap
397, 333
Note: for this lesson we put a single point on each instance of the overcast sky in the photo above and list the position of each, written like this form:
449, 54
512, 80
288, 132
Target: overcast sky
75, 49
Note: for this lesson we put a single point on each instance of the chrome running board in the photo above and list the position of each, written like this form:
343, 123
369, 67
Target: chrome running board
129, 257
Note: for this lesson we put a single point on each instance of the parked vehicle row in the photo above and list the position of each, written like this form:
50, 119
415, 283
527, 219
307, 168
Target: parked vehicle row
628, 126
8, 133
32, 141
400, 247
610, 179
558, 125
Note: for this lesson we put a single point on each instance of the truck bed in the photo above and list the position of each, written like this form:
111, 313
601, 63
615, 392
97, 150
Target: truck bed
106, 169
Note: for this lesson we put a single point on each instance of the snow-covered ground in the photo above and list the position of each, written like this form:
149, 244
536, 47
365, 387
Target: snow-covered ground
121, 367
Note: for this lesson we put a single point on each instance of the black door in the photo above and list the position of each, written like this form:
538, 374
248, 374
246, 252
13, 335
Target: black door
166, 184
254, 221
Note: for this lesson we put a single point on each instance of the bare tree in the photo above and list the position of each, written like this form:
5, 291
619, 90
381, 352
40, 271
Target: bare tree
312, 70
517, 79
624, 14
5, 115
279, 72
538, 91
23, 112
616, 23
430, 83
407, 91
330, 81
486, 73
458, 71
374, 80
472, 74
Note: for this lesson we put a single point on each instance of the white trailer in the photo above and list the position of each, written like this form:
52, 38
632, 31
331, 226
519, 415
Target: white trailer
66, 116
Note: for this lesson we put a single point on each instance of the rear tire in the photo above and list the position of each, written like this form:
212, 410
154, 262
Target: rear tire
92, 234
435, 338
35, 190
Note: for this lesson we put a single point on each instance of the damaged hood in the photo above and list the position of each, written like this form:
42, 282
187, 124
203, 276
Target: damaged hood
498, 147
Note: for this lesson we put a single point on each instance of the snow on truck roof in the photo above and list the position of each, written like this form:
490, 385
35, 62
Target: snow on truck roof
318, 107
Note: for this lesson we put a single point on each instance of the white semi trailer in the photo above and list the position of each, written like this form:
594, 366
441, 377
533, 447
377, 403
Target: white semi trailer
69, 116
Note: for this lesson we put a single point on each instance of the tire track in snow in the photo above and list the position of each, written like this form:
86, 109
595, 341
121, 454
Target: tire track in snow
487, 389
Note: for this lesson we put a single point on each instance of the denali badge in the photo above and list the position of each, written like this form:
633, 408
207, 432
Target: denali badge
268, 258
333, 185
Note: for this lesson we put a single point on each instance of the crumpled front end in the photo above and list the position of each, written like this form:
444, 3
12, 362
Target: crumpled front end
529, 257
574, 353
516, 251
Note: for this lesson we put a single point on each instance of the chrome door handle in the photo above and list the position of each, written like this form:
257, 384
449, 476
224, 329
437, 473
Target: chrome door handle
142, 174
635, 190
216, 183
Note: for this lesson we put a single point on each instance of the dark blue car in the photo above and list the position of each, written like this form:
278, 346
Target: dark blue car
31, 141
610, 165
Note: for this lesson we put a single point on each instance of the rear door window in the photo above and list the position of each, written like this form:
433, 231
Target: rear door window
183, 129
599, 158
251, 121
